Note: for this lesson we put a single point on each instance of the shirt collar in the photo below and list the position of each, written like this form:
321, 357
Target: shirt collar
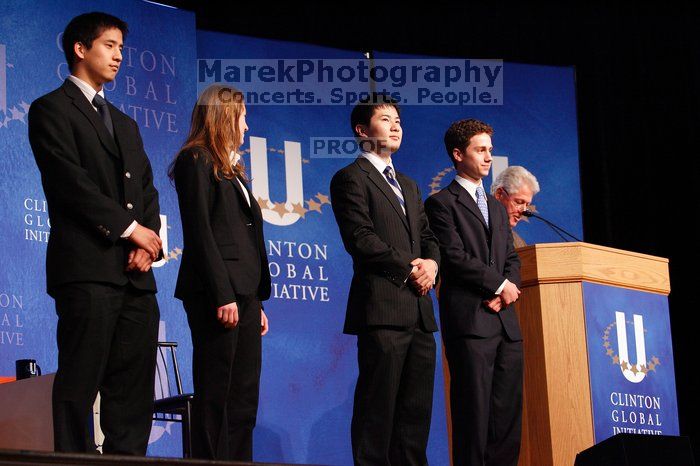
234, 157
378, 162
86, 89
469, 185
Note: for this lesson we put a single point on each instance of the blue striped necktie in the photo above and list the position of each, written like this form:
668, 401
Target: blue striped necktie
481, 203
389, 175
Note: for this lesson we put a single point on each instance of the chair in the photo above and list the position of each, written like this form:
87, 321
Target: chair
172, 408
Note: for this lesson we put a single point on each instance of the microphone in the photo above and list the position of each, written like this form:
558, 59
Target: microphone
557, 229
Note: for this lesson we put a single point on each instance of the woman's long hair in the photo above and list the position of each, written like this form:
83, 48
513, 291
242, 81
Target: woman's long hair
214, 127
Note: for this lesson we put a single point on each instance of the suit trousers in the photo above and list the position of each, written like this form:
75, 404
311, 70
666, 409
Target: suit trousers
107, 337
486, 382
394, 396
226, 374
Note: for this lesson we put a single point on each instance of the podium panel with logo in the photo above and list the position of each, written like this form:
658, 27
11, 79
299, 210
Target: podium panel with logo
598, 353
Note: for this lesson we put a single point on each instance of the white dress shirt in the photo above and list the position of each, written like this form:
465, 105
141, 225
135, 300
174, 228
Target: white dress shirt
235, 157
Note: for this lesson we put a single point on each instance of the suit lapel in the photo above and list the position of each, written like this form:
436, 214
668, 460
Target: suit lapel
85, 107
122, 129
491, 202
411, 201
254, 208
383, 185
467, 201
241, 195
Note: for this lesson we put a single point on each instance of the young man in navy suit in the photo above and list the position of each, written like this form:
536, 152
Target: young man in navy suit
480, 279
395, 257
104, 222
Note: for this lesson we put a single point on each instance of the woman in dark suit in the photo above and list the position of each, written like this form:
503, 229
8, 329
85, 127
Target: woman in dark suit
223, 276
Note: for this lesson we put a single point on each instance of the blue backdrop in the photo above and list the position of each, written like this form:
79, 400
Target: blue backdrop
309, 367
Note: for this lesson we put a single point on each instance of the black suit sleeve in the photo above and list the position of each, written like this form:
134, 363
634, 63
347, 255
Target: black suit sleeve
350, 206
463, 266
430, 248
194, 185
67, 183
512, 265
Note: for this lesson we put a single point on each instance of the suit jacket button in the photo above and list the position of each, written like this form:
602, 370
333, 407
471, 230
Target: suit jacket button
130, 206
107, 233
491, 262
127, 174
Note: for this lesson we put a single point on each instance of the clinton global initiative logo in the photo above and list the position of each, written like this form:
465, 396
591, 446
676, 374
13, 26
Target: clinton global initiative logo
283, 213
634, 372
9, 112
295, 207
437, 182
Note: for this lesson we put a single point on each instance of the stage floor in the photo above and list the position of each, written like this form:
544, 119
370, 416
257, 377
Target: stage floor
12, 457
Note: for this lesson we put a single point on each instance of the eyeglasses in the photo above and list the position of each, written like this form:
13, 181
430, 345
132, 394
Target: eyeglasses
519, 204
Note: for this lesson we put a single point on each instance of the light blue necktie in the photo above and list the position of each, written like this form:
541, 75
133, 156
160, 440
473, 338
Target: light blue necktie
481, 203
389, 174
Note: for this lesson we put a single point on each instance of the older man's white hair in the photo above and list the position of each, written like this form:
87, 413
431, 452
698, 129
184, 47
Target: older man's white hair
512, 179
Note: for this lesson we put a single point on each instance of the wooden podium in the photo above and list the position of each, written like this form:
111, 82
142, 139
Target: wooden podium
557, 412
26, 417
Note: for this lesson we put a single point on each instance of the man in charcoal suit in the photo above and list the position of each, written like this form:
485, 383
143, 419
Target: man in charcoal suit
395, 256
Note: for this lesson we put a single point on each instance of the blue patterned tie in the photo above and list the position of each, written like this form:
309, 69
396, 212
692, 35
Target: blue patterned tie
389, 174
481, 202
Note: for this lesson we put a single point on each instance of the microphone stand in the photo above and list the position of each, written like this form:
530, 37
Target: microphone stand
557, 229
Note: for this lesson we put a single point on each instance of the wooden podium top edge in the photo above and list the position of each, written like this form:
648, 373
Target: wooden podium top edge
550, 263
592, 246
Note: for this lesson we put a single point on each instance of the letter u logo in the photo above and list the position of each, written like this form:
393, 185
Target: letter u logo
261, 185
638, 374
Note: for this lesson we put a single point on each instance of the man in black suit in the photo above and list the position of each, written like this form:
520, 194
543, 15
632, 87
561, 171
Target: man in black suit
104, 218
480, 279
395, 260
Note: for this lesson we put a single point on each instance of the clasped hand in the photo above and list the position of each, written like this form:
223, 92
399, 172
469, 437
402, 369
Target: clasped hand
228, 316
422, 276
509, 294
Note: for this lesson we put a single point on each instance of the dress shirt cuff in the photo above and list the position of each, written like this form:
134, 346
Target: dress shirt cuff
130, 229
413, 269
437, 269
500, 288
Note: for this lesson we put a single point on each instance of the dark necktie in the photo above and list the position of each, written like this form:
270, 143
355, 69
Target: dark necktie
101, 104
389, 174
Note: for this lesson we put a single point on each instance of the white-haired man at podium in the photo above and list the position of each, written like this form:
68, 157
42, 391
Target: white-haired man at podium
514, 188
